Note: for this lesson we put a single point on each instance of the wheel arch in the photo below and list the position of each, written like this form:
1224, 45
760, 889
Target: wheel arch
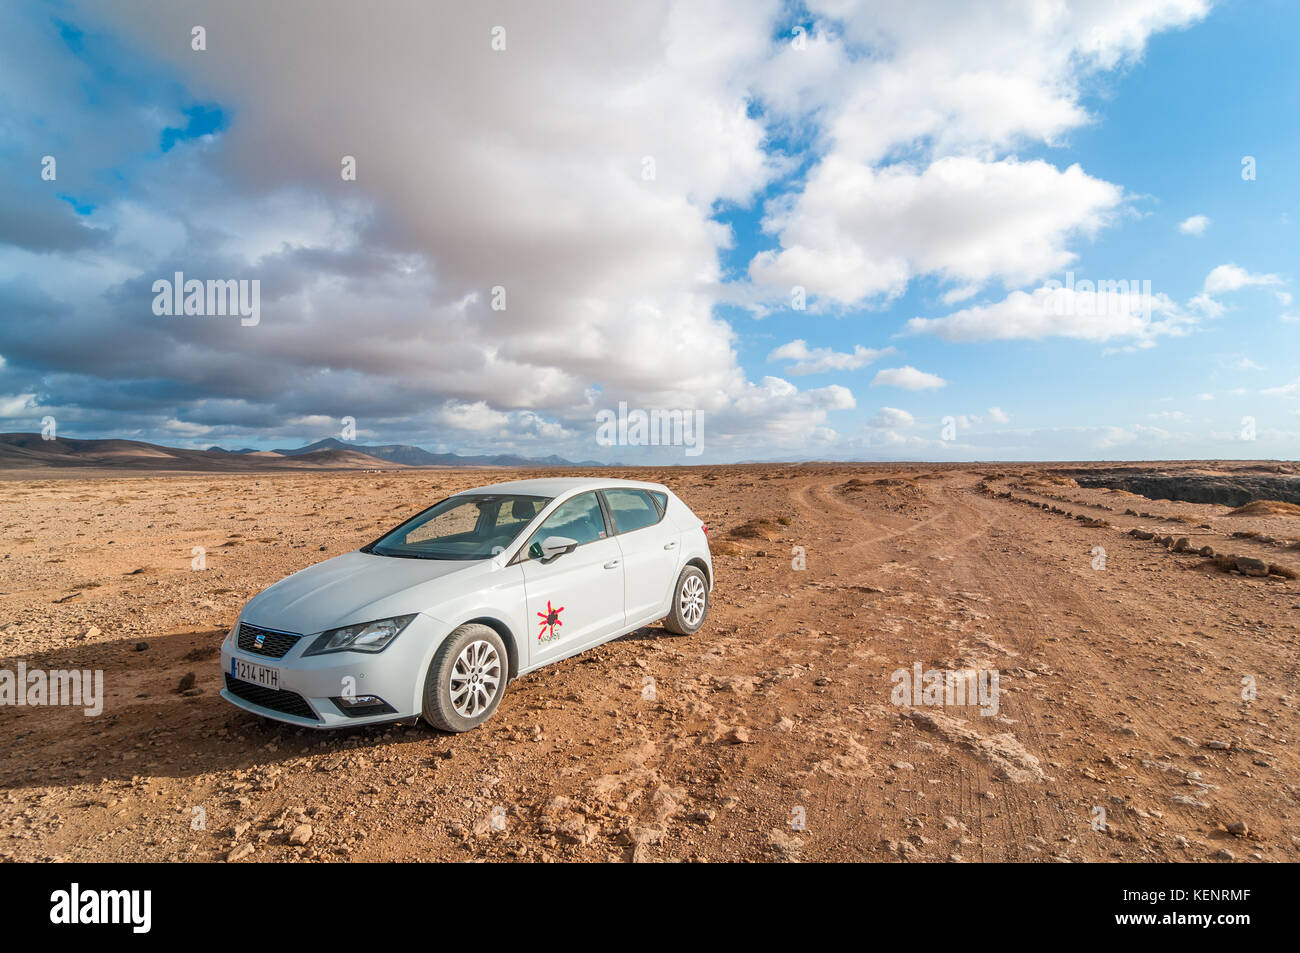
508, 637
699, 563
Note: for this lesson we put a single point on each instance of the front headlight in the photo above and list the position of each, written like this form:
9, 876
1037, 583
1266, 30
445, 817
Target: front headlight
363, 637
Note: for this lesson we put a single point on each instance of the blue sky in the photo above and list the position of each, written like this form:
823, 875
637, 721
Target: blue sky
928, 175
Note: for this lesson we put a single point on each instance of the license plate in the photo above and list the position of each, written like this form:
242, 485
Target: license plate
257, 674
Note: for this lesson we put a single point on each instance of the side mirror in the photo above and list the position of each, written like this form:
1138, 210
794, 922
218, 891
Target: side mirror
553, 546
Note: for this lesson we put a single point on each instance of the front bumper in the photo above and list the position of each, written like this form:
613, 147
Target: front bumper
308, 685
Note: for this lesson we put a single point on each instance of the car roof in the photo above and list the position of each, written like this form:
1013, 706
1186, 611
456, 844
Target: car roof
554, 487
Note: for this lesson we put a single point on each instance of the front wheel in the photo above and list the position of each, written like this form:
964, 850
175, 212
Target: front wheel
466, 679
690, 603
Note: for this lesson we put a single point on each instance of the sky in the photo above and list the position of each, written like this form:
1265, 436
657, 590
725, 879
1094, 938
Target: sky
923, 230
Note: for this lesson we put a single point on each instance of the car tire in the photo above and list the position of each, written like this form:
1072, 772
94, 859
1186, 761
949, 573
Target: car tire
466, 679
690, 603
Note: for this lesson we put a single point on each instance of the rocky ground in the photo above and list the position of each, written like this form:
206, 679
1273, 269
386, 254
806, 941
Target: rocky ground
769, 735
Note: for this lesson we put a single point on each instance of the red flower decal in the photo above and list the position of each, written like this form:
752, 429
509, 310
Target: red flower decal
550, 622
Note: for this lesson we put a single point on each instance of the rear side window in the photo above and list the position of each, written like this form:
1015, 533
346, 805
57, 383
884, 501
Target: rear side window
631, 509
661, 499
518, 511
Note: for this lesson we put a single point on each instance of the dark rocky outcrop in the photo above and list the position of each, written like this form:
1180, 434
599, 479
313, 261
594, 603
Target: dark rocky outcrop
1235, 489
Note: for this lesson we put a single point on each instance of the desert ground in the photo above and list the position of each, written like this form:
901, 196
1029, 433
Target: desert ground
1126, 669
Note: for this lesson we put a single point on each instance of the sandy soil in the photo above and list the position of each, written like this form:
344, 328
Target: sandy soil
1121, 687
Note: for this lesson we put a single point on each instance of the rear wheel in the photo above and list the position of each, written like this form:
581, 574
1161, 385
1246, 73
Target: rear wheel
466, 679
690, 603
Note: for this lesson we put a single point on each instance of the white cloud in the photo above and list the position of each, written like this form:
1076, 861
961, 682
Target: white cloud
1090, 315
959, 294
889, 418
1285, 390
1228, 278
908, 378
476, 416
919, 109
1195, 225
1205, 305
17, 405
816, 360
1232, 277
185, 428
856, 233
611, 277
999, 416
313, 422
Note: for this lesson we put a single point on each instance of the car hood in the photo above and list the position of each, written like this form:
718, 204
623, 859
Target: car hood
354, 587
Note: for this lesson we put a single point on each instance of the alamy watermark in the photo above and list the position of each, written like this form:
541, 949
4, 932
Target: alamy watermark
940, 687
651, 428
75, 905
216, 296
80, 688
1089, 299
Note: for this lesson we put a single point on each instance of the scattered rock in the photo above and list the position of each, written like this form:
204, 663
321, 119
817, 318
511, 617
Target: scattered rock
1250, 566
1003, 752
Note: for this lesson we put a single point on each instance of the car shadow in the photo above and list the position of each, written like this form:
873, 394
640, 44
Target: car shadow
148, 727
647, 633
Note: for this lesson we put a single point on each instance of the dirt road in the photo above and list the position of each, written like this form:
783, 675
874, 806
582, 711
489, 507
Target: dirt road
1121, 731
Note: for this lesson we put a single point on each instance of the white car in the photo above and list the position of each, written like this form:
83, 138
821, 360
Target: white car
436, 616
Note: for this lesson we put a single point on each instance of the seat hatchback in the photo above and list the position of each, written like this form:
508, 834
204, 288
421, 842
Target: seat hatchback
435, 617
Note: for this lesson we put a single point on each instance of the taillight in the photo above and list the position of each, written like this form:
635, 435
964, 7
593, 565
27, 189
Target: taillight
705, 528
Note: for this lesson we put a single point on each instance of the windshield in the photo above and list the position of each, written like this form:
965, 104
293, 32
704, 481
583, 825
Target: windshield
473, 526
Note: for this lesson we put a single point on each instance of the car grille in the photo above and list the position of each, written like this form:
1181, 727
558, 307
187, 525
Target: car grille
291, 703
274, 644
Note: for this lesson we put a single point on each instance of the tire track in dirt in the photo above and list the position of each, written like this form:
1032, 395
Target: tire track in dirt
1020, 816
1003, 575
1105, 617
945, 530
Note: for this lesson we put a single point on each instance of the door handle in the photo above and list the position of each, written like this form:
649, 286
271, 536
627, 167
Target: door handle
672, 545
612, 564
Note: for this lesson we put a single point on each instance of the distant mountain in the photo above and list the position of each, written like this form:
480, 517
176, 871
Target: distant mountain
411, 456
32, 451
